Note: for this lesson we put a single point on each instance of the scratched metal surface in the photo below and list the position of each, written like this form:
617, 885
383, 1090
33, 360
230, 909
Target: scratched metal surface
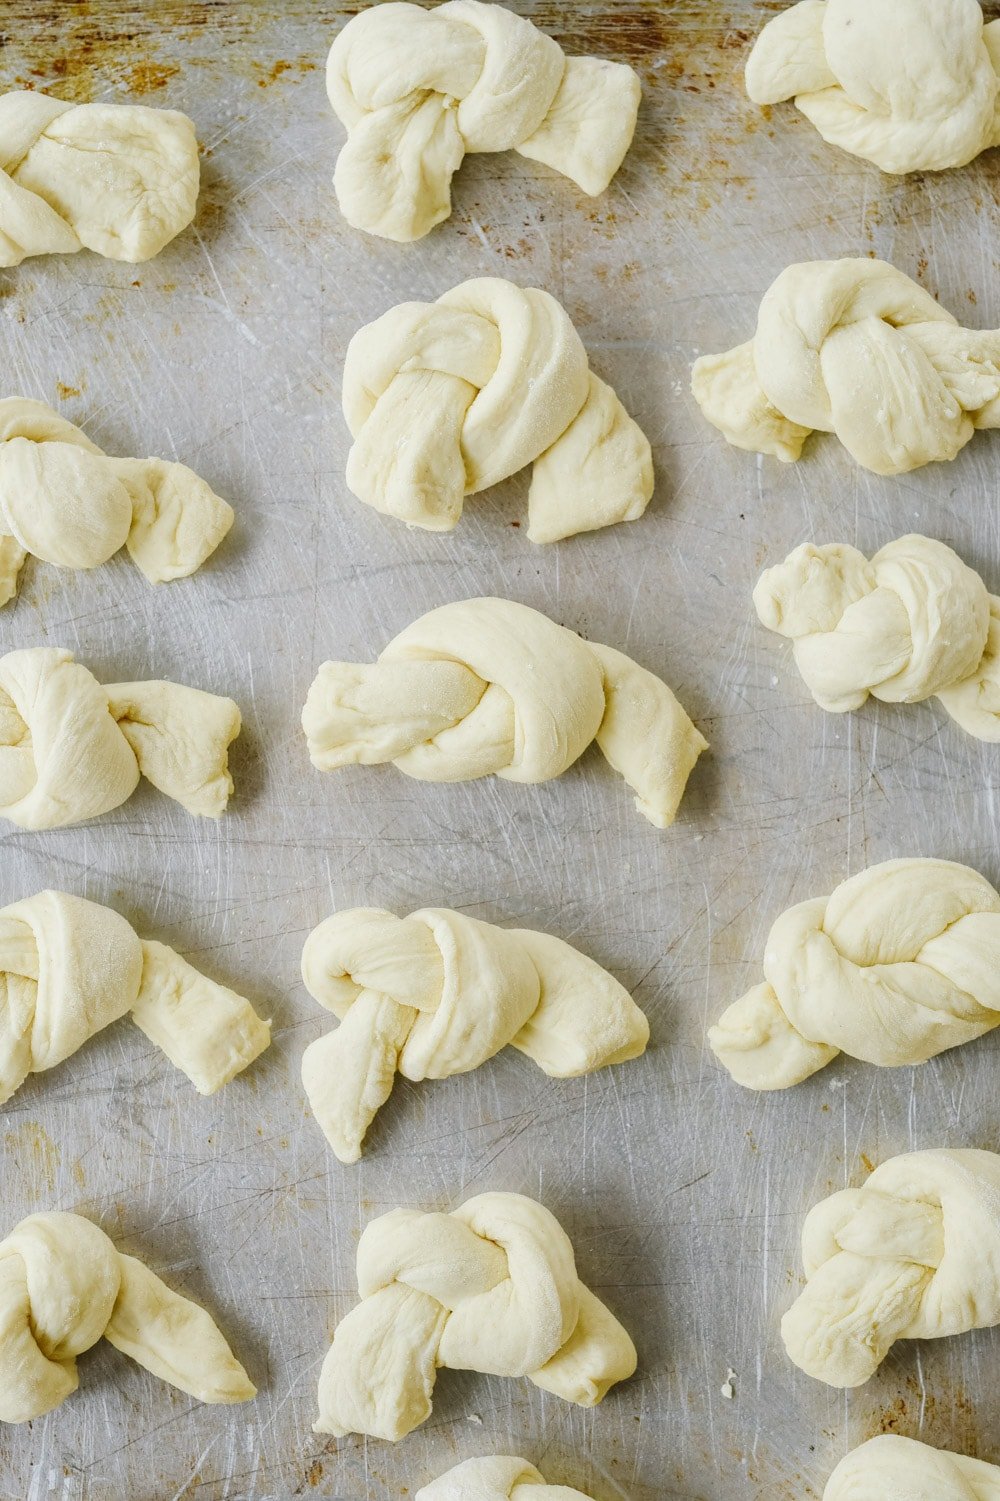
682, 1194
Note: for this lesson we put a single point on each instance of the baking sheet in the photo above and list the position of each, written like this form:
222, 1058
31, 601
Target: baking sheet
683, 1195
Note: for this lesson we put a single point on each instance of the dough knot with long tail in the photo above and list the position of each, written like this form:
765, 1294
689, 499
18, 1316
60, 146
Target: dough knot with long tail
914, 1254
911, 85
499, 1477
71, 748
446, 398
890, 1466
438, 993
487, 687
900, 964
418, 89
854, 347
64, 1286
120, 179
490, 1287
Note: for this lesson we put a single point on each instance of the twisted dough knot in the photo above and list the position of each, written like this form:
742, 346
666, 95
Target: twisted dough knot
912, 624
487, 687
69, 968
71, 749
498, 1478
856, 348
444, 399
490, 1287
914, 1254
418, 89
893, 1466
909, 86
901, 963
438, 993
118, 179
65, 501
63, 1286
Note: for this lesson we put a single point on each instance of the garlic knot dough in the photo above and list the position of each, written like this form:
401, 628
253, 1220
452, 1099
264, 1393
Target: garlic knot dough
417, 89
438, 993
914, 623
854, 347
66, 502
911, 85
72, 748
890, 1466
914, 1254
497, 1478
120, 179
487, 687
446, 398
490, 1287
63, 1286
899, 964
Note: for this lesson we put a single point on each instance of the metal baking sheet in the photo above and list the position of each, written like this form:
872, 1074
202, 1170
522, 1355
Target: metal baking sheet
682, 1194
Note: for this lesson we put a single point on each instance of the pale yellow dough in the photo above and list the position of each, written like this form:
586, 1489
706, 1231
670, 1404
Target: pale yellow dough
497, 1478
69, 968
417, 89
444, 399
901, 963
487, 687
890, 1468
854, 347
64, 501
911, 85
914, 1254
71, 748
63, 1286
120, 179
438, 993
490, 1287
914, 623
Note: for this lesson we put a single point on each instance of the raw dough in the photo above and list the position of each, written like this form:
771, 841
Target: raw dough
69, 968
438, 993
444, 399
910, 85
487, 687
491, 1287
901, 963
914, 1254
499, 1478
120, 179
912, 624
66, 502
417, 89
63, 1286
71, 749
891, 1467
856, 348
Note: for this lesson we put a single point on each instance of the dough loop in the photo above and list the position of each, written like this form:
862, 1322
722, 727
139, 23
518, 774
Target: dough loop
891, 1466
498, 1478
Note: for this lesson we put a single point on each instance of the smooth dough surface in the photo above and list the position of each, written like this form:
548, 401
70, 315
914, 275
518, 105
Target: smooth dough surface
911, 85
900, 964
64, 501
71, 748
914, 1254
418, 89
499, 1477
487, 687
854, 347
490, 1287
438, 993
120, 179
913, 623
891, 1467
446, 398
63, 1286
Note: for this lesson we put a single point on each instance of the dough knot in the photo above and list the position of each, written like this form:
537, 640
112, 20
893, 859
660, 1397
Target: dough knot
490, 1287
894, 1466
417, 89
500, 1477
